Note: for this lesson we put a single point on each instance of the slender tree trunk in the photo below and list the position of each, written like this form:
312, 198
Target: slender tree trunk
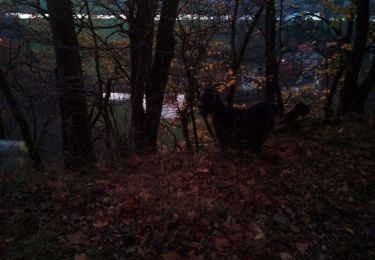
349, 29
238, 56
279, 95
364, 90
195, 131
235, 56
2, 127
32, 147
78, 149
350, 87
280, 101
164, 52
328, 108
184, 120
109, 129
193, 88
37, 3
271, 64
142, 33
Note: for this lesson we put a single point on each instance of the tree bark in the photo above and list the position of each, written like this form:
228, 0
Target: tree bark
328, 108
350, 86
149, 76
32, 147
164, 53
271, 63
193, 87
141, 39
77, 143
184, 120
2, 127
364, 90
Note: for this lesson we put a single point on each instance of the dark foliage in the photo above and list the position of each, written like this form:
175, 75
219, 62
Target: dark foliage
238, 128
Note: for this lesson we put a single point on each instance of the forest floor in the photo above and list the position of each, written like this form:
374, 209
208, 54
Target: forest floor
309, 195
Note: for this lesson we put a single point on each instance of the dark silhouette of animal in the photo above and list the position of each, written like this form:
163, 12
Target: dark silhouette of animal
299, 110
244, 129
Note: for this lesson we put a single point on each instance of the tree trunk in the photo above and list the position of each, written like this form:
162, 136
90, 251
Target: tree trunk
191, 91
2, 127
32, 147
238, 56
164, 52
271, 63
193, 87
350, 87
364, 90
184, 120
141, 35
328, 108
77, 143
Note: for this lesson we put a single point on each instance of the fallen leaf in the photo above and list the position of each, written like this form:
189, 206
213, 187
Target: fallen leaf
192, 215
286, 256
220, 243
196, 245
145, 196
129, 204
259, 233
170, 255
195, 190
105, 183
55, 185
259, 236
349, 230
102, 169
294, 228
203, 170
76, 238
262, 171
81, 257
180, 194
100, 223
301, 247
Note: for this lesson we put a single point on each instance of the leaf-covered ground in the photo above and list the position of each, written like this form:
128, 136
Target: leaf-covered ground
308, 195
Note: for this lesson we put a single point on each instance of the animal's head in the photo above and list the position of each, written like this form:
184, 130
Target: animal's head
208, 100
302, 109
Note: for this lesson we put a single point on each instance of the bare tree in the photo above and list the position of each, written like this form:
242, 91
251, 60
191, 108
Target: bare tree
350, 86
31, 145
271, 64
364, 90
2, 128
238, 53
77, 144
195, 37
343, 62
149, 73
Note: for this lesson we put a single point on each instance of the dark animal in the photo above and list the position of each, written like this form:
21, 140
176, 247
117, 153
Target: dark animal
238, 128
299, 110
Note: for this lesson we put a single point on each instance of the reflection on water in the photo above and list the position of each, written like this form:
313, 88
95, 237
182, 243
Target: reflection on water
115, 96
169, 110
189, 17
